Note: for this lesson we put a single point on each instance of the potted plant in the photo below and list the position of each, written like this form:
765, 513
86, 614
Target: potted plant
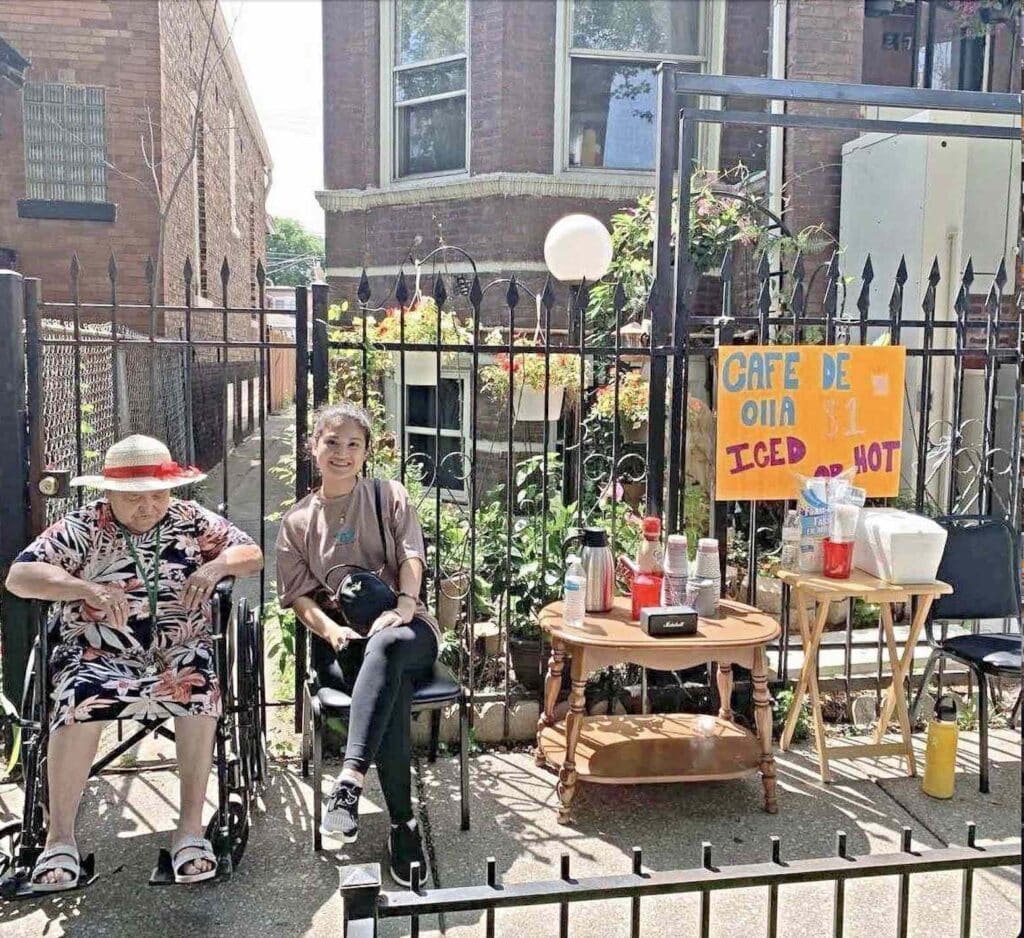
524, 566
418, 325
525, 375
633, 404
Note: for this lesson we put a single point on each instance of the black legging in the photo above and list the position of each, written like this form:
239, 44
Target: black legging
380, 717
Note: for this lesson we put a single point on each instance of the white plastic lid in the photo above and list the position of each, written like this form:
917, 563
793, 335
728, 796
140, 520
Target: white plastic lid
708, 544
677, 539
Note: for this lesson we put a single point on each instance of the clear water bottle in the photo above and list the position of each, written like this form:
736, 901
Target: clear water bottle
575, 592
790, 559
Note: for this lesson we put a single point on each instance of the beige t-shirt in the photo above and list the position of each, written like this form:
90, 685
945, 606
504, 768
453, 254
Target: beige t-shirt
317, 533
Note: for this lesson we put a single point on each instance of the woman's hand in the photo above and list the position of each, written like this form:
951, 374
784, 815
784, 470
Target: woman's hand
401, 615
109, 600
200, 586
338, 636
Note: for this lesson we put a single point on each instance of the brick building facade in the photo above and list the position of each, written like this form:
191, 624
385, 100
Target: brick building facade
519, 57
113, 89
482, 123
124, 73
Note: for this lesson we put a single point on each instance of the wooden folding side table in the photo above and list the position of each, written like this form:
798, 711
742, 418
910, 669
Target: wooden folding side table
860, 585
671, 747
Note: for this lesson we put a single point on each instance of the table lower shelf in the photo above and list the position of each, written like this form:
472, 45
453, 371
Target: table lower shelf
676, 747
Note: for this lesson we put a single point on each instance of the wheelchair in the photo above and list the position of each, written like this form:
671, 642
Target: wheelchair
240, 755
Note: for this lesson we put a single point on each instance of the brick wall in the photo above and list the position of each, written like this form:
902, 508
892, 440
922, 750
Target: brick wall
825, 41
184, 28
351, 95
12, 166
113, 44
747, 40
138, 52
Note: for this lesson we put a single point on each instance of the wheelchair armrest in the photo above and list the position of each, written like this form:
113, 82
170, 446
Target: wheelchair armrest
224, 587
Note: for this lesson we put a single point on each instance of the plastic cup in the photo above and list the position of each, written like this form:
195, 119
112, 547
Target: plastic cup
838, 559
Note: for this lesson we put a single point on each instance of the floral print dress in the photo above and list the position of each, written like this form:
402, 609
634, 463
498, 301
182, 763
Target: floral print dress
144, 670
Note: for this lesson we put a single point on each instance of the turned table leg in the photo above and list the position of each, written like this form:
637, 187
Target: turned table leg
725, 691
573, 724
552, 684
763, 719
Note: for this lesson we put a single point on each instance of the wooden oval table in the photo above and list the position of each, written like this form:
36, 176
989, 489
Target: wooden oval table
637, 749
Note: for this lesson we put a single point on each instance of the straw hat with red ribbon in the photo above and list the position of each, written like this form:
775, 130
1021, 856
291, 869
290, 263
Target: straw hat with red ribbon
140, 464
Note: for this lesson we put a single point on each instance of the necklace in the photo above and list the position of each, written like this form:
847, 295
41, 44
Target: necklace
152, 579
343, 535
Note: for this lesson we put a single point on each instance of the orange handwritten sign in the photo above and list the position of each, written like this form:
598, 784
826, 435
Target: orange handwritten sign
808, 410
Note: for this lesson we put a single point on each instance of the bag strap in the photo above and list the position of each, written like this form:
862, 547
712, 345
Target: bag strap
380, 519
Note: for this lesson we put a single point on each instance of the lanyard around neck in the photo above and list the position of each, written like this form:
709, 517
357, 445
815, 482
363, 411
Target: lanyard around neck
151, 580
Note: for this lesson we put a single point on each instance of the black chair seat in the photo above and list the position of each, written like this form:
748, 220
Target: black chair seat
436, 689
991, 652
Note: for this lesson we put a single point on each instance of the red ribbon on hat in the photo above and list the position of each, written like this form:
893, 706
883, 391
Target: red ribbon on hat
164, 470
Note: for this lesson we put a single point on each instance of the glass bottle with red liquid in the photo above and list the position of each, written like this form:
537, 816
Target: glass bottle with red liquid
646, 587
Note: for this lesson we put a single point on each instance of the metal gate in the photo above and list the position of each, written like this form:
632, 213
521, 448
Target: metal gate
80, 374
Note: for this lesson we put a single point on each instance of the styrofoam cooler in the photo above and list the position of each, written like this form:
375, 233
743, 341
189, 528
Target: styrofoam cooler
898, 546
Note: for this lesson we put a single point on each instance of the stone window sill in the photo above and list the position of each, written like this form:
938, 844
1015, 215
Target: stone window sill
67, 211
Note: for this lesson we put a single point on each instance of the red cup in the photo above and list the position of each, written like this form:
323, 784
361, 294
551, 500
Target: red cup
838, 559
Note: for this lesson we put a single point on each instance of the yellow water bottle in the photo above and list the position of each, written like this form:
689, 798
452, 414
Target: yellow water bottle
940, 755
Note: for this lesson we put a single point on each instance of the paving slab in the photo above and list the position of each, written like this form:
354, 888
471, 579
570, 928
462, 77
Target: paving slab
514, 820
283, 889
280, 889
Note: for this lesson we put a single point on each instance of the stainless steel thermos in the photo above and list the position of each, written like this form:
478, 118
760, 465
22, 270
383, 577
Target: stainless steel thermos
599, 565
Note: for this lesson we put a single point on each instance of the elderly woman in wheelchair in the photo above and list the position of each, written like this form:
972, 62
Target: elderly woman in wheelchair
133, 573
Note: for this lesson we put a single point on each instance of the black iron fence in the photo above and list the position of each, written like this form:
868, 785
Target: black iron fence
518, 410
366, 906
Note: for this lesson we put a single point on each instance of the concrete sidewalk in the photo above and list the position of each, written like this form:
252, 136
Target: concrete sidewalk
283, 889
244, 508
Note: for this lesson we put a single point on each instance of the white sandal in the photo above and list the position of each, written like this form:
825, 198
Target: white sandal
61, 857
188, 850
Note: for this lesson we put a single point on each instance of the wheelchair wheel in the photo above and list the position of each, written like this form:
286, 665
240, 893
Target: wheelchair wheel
22, 841
11, 834
252, 737
35, 739
237, 831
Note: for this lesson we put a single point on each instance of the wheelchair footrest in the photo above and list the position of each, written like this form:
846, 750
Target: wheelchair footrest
163, 872
18, 885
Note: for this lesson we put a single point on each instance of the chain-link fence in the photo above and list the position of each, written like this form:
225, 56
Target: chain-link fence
113, 398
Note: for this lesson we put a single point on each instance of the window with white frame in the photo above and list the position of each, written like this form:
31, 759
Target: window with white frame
436, 455
614, 47
65, 142
429, 85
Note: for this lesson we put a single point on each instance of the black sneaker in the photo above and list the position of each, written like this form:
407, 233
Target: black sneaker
404, 849
341, 812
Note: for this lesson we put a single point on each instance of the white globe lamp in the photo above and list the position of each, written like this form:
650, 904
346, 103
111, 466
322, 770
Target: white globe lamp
578, 247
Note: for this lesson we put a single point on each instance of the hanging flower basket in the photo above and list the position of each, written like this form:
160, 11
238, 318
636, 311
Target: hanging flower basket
421, 366
418, 325
526, 374
528, 404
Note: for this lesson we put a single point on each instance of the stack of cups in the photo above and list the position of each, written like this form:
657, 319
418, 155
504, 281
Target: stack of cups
709, 575
677, 568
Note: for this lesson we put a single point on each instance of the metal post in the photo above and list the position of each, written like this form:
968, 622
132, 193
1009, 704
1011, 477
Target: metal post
15, 518
662, 290
303, 466
360, 890
321, 391
303, 469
